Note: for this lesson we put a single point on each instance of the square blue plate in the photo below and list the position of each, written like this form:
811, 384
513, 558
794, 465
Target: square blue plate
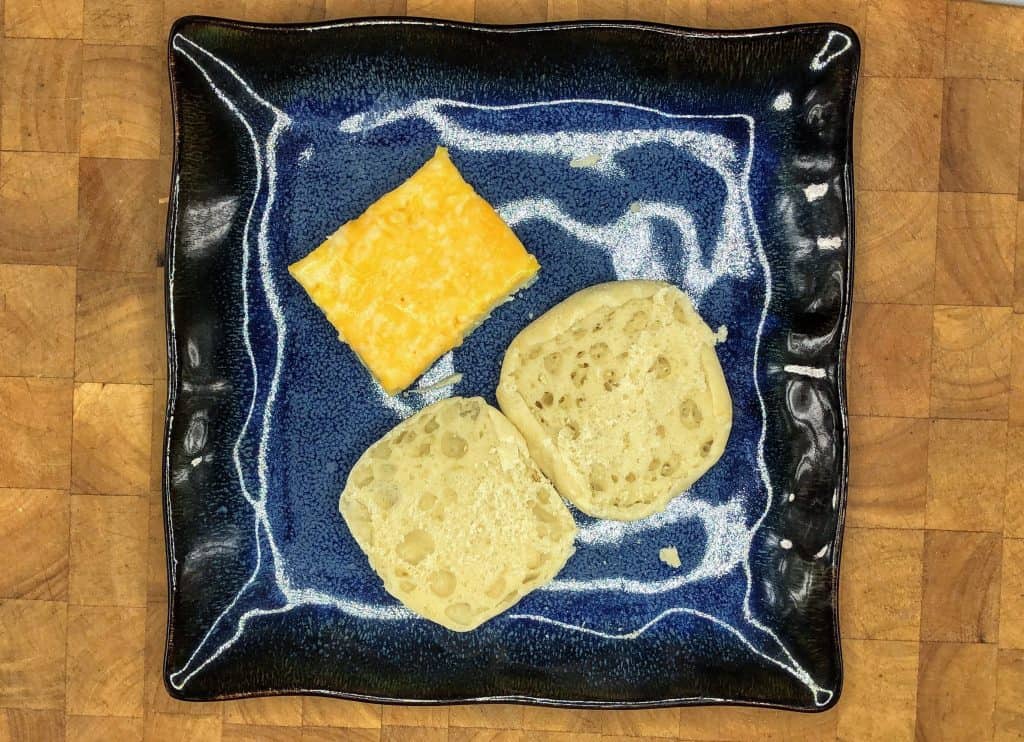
718, 161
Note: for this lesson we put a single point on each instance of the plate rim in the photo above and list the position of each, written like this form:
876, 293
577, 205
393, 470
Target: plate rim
844, 324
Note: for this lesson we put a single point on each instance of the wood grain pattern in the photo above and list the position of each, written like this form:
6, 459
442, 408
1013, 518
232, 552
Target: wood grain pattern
111, 235
976, 247
36, 317
896, 247
115, 324
981, 128
1009, 716
38, 208
932, 588
971, 349
105, 660
35, 429
904, 118
949, 672
966, 473
111, 438
108, 550
966, 565
40, 95
888, 472
34, 544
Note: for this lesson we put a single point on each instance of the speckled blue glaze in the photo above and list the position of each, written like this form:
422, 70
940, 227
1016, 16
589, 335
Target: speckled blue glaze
718, 162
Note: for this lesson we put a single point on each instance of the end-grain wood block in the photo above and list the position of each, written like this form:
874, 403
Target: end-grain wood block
337, 712
983, 41
981, 130
736, 723
56, 19
175, 9
120, 214
910, 38
275, 711
890, 360
1016, 415
111, 439
415, 716
851, 12
160, 326
966, 475
156, 698
156, 553
328, 734
960, 600
456, 10
104, 729
490, 716
542, 719
273, 11
903, 118
976, 246
896, 234
693, 13
363, 8
878, 675
156, 446
1020, 174
949, 675
609, 9
135, 22
888, 472
172, 728
34, 544
38, 208
1009, 716
703, 723
514, 11
563, 10
487, 735
32, 638
109, 544
35, 431
105, 675
881, 584
18, 724
115, 325
40, 96
971, 351
35, 318
420, 734
745, 13
257, 733
1013, 523
1018, 271
1011, 614
646, 723
121, 91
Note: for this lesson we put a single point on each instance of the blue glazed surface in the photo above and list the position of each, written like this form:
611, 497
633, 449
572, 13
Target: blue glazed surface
741, 198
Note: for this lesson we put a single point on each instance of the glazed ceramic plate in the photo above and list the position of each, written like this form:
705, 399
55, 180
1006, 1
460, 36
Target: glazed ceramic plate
718, 161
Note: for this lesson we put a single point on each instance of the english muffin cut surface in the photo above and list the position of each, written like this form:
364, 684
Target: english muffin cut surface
620, 396
454, 515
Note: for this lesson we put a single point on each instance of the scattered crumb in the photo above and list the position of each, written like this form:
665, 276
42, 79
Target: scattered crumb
635, 207
722, 334
670, 556
588, 161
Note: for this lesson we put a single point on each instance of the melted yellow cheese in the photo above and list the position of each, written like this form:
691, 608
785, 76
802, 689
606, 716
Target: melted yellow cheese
407, 280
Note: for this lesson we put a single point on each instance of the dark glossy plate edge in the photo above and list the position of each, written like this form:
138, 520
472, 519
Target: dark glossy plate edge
846, 310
